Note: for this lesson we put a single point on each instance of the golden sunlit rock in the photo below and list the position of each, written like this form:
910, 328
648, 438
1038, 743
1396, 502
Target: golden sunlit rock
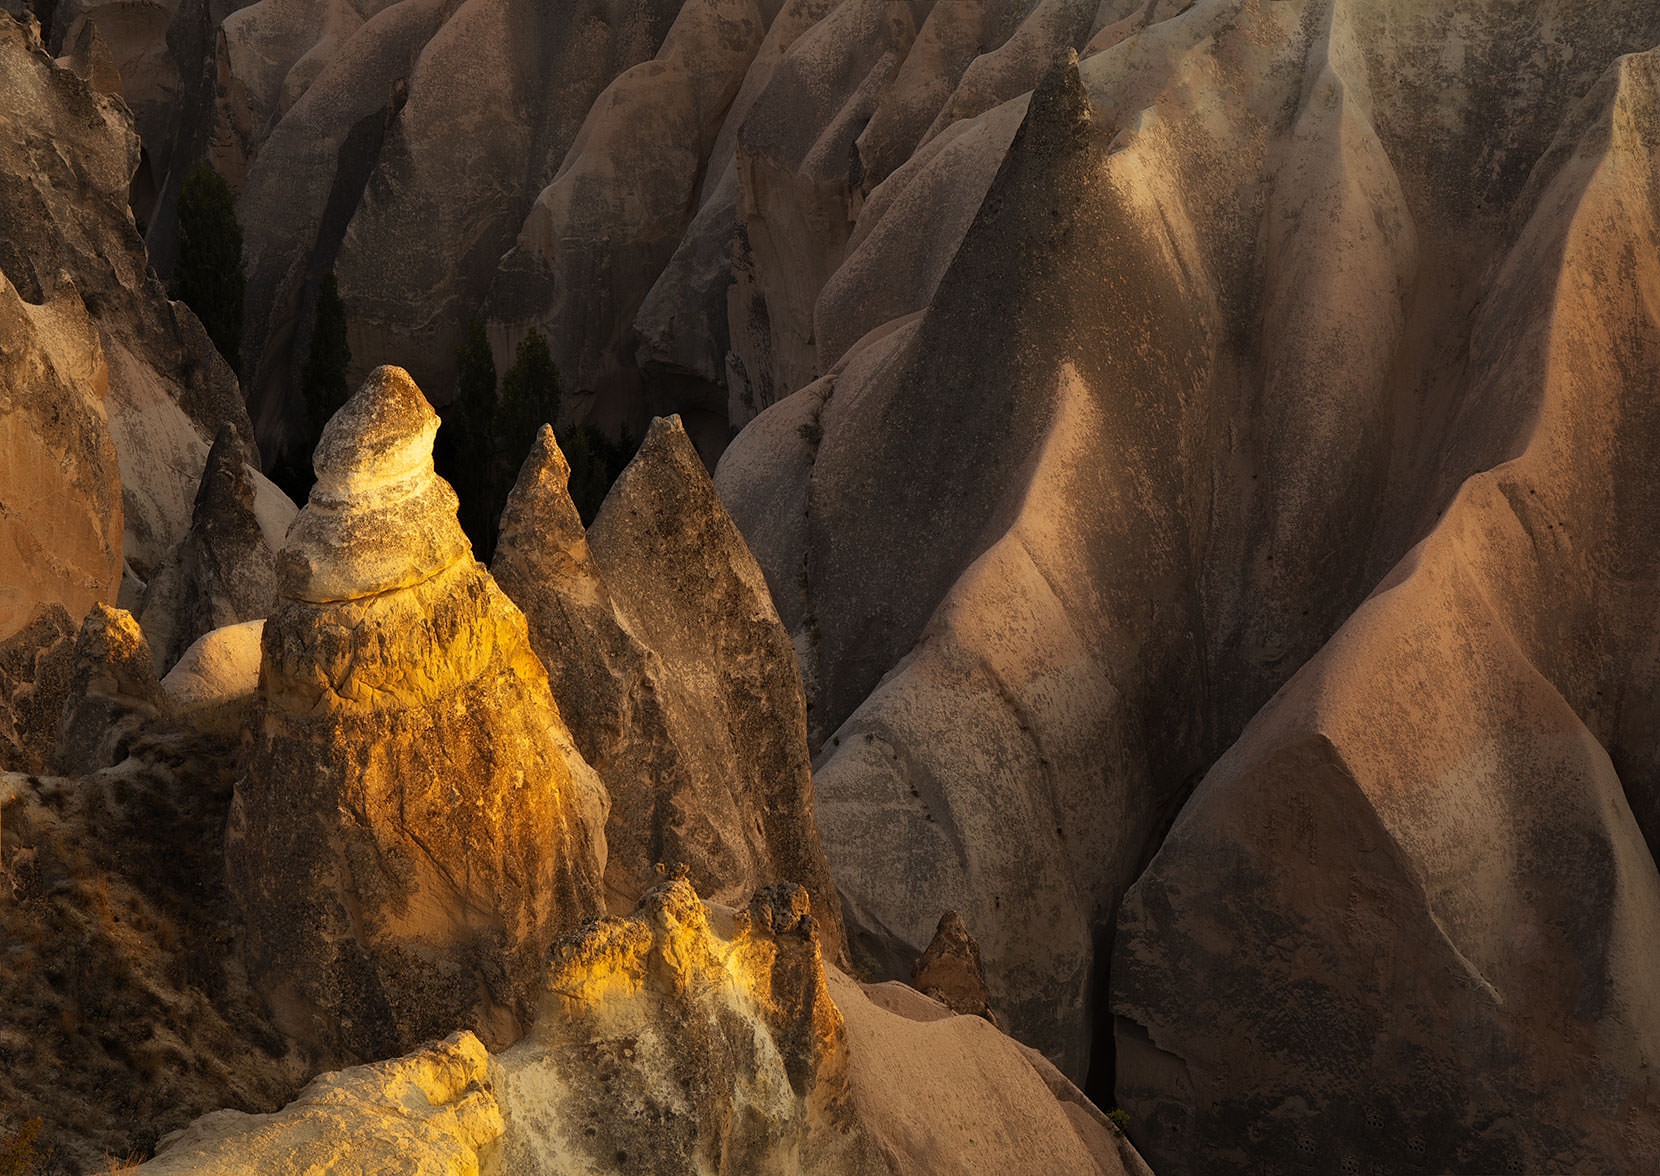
416, 826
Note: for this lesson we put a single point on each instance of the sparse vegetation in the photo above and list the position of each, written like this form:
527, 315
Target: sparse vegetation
21, 1152
210, 278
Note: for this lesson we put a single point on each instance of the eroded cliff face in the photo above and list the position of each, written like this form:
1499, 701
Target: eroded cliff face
103, 333
1259, 310
416, 826
1205, 481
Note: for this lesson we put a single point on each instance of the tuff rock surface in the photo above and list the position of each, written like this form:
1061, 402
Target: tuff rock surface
1260, 308
675, 675
75, 265
950, 970
127, 1012
37, 667
215, 683
685, 1038
416, 826
113, 693
223, 572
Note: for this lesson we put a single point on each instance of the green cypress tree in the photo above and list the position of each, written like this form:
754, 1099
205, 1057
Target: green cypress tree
210, 278
323, 378
463, 453
530, 396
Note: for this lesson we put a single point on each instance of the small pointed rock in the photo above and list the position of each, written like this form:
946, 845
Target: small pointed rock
950, 972
113, 693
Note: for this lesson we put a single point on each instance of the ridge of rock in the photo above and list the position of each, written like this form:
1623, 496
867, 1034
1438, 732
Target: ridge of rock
222, 572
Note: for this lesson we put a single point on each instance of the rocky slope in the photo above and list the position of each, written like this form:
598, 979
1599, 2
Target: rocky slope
70, 248
1198, 453
687, 1039
1249, 300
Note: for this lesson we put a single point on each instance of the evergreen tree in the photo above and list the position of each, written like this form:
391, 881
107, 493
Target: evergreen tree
595, 462
463, 453
323, 378
530, 396
210, 278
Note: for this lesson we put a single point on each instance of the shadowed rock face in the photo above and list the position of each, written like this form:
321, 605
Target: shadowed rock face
223, 572
674, 673
663, 189
68, 242
37, 664
416, 826
113, 693
1200, 372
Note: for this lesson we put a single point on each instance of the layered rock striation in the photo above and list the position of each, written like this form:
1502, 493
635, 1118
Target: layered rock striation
416, 827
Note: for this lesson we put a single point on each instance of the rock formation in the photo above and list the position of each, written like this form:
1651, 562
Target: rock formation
1420, 889
60, 492
416, 826
215, 683
113, 694
428, 1114
950, 970
664, 1046
677, 679
37, 666
126, 1011
684, 1039
223, 572
67, 155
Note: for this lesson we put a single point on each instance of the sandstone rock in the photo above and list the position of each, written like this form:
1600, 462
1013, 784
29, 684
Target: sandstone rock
1418, 888
223, 571
600, 234
124, 1009
428, 1114
1152, 382
113, 693
416, 826
455, 180
940, 1093
37, 666
684, 1039
666, 1046
60, 492
678, 678
67, 156
795, 206
215, 683
89, 57
950, 972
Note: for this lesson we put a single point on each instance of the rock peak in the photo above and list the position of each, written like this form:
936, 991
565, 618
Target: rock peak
1060, 109
383, 434
379, 516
